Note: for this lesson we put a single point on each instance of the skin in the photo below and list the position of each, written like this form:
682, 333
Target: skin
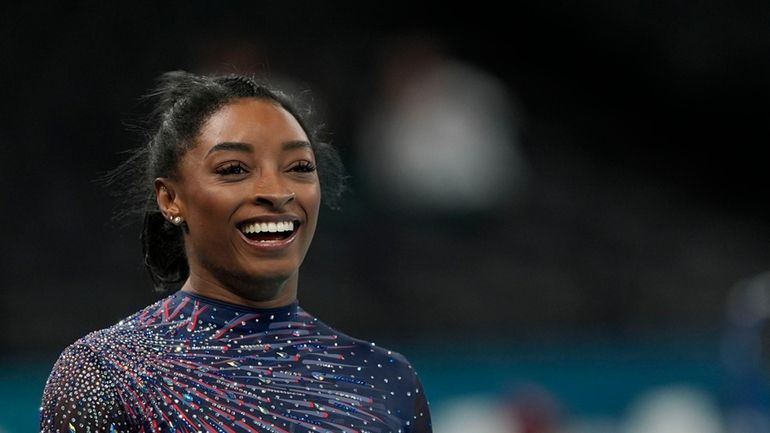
268, 172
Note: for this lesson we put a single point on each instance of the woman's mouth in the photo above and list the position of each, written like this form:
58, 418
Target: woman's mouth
269, 231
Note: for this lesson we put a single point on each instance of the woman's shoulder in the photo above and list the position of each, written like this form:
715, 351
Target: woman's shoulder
104, 343
372, 355
91, 366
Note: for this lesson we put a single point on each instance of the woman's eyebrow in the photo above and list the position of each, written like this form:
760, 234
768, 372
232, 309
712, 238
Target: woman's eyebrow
228, 145
296, 144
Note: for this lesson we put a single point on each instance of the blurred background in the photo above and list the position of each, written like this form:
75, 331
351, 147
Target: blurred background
558, 213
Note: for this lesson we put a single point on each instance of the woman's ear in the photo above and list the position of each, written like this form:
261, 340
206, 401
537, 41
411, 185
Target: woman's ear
165, 194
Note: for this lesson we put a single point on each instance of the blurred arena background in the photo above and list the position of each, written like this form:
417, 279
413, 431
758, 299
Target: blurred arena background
559, 213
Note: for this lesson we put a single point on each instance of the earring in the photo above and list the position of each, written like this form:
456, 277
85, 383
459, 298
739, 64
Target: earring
176, 220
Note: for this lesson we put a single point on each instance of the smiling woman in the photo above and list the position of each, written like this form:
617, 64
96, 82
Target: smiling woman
252, 165
230, 184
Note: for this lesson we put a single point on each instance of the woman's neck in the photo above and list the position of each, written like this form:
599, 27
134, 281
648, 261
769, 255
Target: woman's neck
266, 294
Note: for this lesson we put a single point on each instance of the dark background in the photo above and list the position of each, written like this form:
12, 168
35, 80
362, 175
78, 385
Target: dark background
644, 125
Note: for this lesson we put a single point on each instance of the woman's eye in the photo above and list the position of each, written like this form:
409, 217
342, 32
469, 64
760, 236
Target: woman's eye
303, 167
231, 168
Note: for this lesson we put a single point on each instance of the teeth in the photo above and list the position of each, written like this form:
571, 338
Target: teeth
281, 226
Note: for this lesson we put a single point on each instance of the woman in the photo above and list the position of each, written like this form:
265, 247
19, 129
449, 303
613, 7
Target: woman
232, 172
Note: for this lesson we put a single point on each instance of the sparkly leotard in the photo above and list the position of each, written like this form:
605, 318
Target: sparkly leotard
190, 364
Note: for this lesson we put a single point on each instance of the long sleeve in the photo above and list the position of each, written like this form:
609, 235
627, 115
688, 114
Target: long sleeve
421, 422
80, 396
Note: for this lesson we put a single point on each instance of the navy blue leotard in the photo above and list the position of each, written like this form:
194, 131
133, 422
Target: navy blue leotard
189, 364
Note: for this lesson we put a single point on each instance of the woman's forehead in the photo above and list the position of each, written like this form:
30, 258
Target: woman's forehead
250, 120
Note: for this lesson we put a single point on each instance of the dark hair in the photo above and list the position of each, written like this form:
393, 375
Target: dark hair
183, 103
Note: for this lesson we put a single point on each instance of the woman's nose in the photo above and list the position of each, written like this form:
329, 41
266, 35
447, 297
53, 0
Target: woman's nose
275, 200
273, 191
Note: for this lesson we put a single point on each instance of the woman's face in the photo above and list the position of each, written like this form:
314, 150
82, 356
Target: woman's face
249, 194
